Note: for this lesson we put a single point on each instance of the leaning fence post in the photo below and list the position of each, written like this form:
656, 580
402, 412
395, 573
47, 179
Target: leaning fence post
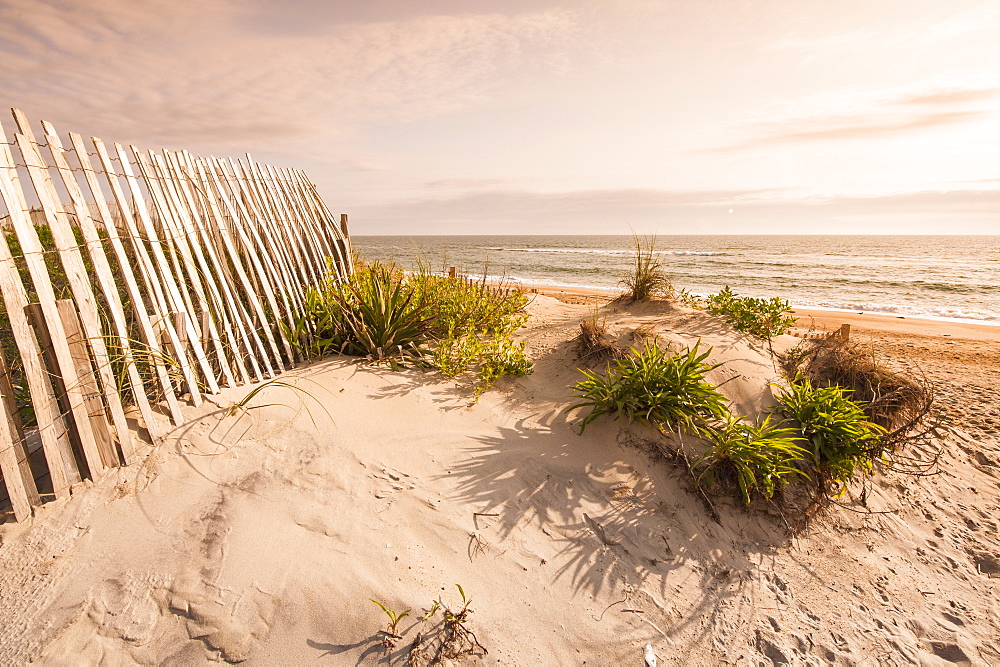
345, 244
14, 464
80, 353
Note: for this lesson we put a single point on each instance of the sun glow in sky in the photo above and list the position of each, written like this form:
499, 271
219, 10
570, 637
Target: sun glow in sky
549, 116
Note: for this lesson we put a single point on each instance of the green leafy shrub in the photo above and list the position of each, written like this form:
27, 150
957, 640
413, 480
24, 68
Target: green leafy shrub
457, 306
687, 298
840, 438
500, 357
646, 279
491, 358
376, 314
654, 388
765, 318
760, 458
382, 313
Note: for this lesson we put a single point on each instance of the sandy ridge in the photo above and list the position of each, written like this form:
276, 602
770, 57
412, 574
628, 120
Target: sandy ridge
259, 537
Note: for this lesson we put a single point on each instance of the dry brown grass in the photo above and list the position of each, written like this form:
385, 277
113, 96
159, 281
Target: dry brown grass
898, 400
594, 344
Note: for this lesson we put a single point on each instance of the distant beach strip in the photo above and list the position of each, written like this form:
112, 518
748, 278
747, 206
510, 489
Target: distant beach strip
948, 278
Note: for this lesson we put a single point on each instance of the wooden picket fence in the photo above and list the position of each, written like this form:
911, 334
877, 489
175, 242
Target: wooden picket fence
133, 281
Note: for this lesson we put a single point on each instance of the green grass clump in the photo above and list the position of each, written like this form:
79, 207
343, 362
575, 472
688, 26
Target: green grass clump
652, 387
382, 313
646, 279
760, 458
765, 318
840, 438
491, 358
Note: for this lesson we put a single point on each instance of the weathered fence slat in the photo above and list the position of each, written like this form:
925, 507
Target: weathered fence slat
134, 293
234, 257
51, 428
275, 248
287, 215
159, 270
270, 217
19, 487
76, 275
33, 251
167, 205
14, 464
178, 297
214, 307
267, 288
217, 249
204, 245
105, 280
78, 348
91, 461
277, 288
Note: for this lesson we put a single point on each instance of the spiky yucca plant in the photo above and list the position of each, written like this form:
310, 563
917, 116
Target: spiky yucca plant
381, 314
760, 458
840, 438
653, 387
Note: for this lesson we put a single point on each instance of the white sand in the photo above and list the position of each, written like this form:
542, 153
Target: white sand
261, 536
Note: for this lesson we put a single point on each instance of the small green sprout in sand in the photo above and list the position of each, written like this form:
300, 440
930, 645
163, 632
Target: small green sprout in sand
457, 639
391, 634
430, 612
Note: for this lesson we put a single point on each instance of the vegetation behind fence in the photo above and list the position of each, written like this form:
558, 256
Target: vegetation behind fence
132, 281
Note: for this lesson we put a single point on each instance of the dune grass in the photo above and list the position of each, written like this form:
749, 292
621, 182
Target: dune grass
664, 390
646, 279
383, 314
840, 440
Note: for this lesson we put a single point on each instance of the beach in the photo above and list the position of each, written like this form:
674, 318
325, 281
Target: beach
652, 334
258, 533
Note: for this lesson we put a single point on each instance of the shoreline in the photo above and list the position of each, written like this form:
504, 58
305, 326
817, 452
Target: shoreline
819, 319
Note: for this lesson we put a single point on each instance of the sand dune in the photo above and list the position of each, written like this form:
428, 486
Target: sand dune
259, 536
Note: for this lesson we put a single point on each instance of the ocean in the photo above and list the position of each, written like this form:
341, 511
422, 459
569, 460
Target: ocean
950, 277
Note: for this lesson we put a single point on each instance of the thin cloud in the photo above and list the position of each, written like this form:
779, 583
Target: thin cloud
870, 115
929, 31
950, 97
862, 126
685, 212
190, 74
466, 183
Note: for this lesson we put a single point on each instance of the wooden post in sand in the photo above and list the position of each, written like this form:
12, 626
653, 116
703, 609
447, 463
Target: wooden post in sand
14, 465
451, 272
344, 242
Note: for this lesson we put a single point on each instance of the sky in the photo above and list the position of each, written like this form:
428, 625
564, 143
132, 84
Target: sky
549, 116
